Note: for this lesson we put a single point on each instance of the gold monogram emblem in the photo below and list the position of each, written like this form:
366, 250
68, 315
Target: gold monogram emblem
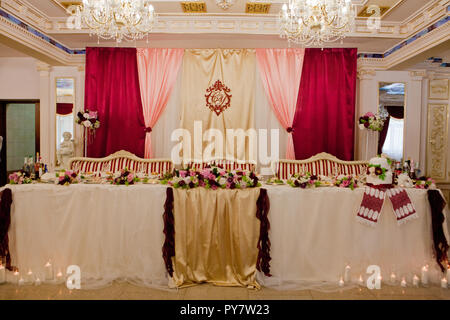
217, 97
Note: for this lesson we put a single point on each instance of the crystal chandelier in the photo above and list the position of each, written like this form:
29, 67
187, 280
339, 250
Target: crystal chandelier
117, 19
315, 22
224, 4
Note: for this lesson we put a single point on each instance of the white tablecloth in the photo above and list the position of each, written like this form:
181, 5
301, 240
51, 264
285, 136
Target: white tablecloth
110, 232
116, 232
315, 234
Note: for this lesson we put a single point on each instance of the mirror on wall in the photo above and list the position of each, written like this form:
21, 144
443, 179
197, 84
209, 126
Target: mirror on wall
65, 101
391, 104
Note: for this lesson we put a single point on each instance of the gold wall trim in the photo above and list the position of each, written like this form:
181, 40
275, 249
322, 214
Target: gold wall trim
437, 144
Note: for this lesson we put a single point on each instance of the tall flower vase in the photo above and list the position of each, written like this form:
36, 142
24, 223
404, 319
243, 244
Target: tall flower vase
85, 142
371, 140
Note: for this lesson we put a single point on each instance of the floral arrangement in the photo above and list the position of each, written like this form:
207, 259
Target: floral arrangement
346, 182
371, 121
89, 119
125, 177
424, 183
304, 180
212, 178
66, 177
19, 178
376, 169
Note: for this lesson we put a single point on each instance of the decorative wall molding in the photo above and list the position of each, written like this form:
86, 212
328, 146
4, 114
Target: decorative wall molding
234, 23
32, 41
421, 44
437, 145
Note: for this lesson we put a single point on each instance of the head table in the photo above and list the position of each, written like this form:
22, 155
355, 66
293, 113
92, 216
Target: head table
116, 233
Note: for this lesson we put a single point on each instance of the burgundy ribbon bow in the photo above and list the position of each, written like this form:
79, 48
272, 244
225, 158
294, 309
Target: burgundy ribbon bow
289, 129
148, 129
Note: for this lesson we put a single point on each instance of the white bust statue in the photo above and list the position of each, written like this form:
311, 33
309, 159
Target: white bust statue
66, 151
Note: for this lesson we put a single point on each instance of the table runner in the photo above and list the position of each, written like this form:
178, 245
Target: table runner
218, 236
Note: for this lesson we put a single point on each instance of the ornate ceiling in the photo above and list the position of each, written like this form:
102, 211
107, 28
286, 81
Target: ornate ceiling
401, 23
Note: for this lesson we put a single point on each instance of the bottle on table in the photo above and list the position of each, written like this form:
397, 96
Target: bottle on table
412, 173
406, 167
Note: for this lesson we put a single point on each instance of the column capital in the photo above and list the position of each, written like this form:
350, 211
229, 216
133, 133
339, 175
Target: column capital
418, 75
366, 74
43, 68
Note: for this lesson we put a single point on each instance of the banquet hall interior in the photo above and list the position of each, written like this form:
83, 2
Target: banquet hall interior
224, 149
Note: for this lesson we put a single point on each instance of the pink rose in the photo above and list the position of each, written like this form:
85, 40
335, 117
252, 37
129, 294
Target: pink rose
192, 173
222, 172
205, 172
369, 114
183, 173
92, 114
130, 178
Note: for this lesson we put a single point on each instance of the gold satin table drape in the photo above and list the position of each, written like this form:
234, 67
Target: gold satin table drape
235, 68
216, 237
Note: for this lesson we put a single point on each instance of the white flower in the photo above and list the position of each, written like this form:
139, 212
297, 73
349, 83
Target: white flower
187, 180
86, 115
243, 184
87, 124
361, 126
222, 181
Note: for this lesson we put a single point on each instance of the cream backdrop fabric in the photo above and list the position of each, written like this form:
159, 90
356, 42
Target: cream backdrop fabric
235, 69
264, 118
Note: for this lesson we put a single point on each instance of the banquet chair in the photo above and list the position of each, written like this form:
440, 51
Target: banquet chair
225, 164
118, 161
320, 164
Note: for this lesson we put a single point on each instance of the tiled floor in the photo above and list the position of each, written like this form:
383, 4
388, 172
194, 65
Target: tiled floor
124, 291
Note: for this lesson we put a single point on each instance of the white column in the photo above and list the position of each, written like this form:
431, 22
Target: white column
414, 135
46, 116
79, 106
366, 142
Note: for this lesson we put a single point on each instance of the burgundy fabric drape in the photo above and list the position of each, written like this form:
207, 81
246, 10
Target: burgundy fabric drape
325, 115
112, 89
383, 135
64, 108
5, 222
395, 112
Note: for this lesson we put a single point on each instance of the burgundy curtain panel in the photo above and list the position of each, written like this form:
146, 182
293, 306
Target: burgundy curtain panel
112, 89
325, 115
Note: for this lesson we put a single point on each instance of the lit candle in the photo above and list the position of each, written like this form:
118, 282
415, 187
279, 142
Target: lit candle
393, 277
2, 274
37, 282
59, 276
16, 277
341, 282
347, 273
403, 283
425, 275
21, 282
415, 281
48, 271
360, 280
30, 277
444, 283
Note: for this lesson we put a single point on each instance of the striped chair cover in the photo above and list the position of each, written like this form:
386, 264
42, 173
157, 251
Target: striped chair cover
226, 164
321, 164
121, 160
